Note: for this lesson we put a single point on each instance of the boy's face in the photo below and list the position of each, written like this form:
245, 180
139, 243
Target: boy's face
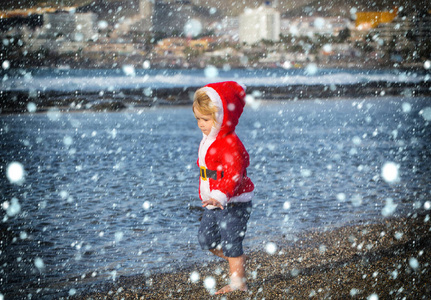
205, 122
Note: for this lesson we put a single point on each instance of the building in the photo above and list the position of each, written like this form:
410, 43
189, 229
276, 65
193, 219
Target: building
146, 9
404, 35
368, 20
70, 26
259, 24
421, 33
171, 18
311, 26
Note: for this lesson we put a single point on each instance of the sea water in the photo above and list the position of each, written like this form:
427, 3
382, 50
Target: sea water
96, 80
102, 195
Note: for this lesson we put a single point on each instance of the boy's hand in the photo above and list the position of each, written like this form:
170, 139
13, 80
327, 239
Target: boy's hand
213, 202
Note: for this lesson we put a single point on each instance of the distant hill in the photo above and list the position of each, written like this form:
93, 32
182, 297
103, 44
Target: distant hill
292, 8
21, 4
289, 8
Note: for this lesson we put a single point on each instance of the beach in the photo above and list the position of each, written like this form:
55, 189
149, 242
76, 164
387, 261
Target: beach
387, 260
90, 220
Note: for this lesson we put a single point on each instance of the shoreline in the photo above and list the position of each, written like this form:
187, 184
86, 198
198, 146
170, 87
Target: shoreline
17, 101
389, 259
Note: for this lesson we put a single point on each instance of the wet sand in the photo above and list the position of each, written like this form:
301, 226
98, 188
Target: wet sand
389, 260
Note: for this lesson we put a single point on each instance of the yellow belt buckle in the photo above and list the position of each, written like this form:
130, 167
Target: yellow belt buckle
204, 173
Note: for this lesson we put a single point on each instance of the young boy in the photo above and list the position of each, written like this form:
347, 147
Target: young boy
224, 188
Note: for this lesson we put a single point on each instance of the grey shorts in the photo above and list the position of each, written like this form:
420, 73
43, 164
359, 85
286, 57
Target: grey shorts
225, 227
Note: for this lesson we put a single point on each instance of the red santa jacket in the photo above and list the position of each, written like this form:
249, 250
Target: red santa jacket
223, 151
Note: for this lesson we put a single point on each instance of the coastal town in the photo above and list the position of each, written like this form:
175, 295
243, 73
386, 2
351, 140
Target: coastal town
186, 34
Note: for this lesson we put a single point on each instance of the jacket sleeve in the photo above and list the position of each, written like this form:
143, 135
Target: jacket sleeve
235, 160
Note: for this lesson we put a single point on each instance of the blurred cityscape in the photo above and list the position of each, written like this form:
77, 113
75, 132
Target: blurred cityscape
184, 34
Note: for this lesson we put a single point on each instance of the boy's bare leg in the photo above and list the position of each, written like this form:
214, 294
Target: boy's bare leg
237, 275
219, 253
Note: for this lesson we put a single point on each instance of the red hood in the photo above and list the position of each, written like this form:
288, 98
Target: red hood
232, 96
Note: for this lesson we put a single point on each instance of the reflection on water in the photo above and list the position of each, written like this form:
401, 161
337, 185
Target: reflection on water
107, 194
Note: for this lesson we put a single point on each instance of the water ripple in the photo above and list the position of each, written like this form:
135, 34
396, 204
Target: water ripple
121, 193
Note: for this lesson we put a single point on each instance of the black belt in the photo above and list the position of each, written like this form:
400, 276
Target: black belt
205, 174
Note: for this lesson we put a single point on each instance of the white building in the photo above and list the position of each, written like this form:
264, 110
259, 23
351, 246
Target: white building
146, 9
258, 24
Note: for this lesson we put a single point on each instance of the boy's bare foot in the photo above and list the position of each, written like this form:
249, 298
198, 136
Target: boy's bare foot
231, 288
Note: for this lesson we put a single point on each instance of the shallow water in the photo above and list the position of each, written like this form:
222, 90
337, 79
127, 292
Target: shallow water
110, 194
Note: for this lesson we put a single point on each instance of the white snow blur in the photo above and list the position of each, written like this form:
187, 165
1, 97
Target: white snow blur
271, 248
192, 28
341, 197
129, 70
251, 101
209, 284
118, 236
194, 277
211, 72
286, 205
15, 173
54, 114
390, 172
146, 205
38, 262
413, 263
373, 297
31, 107
102, 24
426, 113
311, 69
319, 22
12, 208
356, 200
407, 107
5, 65
68, 141
146, 65
389, 208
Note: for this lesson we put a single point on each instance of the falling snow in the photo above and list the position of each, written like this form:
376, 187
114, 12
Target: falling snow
103, 195
194, 277
390, 172
15, 172
271, 248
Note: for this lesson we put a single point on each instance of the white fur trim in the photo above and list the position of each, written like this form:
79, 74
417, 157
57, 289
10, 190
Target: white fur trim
216, 100
203, 148
219, 196
245, 197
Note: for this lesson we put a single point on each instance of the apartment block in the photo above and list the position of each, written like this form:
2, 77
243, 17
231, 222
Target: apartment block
259, 24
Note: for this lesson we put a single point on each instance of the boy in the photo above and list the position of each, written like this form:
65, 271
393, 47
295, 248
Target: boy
224, 188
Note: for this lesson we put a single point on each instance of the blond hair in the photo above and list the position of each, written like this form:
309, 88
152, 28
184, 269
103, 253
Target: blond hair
202, 102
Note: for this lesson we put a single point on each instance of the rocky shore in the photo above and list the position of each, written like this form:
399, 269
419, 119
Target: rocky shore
388, 260
17, 101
